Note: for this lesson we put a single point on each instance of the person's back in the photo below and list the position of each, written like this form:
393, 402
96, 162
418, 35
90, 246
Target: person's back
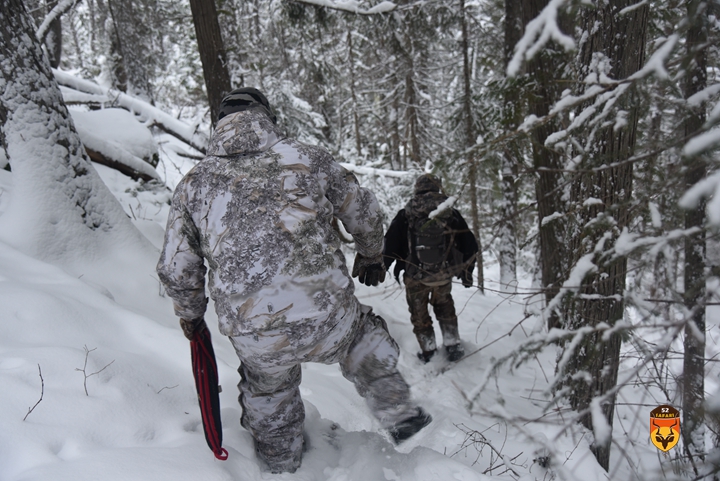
259, 209
259, 203
430, 238
431, 242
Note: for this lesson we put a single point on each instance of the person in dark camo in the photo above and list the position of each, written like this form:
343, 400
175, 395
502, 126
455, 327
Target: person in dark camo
432, 243
259, 210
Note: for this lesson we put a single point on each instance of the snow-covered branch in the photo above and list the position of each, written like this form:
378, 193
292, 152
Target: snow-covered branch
352, 6
539, 32
150, 114
362, 170
58, 11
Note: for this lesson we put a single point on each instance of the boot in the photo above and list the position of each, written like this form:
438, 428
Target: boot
425, 356
454, 353
407, 428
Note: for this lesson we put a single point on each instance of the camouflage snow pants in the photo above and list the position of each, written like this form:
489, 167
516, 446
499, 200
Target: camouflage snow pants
273, 411
419, 296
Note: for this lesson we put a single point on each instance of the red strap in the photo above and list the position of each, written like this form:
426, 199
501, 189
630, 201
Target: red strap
205, 371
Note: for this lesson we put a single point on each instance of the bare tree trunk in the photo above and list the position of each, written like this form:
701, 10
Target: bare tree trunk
544, 69
356, 118
117, 58
411, 117
212, 53
621, 38
395, 156
469, 144
53, 41
507, 249
693, 388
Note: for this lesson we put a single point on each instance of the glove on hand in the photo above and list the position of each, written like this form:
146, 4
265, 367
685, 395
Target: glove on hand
190, 327
369, 270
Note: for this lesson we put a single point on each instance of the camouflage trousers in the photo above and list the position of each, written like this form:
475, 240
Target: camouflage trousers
273, 411
418, 296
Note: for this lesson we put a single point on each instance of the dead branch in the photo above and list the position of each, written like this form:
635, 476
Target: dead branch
476, 438
42, 392
84, 368
168, 387
119, 166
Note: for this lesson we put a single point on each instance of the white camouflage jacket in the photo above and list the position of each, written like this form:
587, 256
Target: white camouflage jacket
259, 210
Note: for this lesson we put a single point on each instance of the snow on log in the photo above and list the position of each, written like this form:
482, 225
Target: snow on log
152, 116
113, 137
352, 6
75, 97
362, 170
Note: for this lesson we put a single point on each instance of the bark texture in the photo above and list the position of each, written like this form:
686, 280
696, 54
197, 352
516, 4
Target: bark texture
593, 368
469, 144
507, 249
62, 195
693, 388
212, 53
546, 69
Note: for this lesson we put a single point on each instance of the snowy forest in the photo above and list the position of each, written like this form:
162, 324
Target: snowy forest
578, 138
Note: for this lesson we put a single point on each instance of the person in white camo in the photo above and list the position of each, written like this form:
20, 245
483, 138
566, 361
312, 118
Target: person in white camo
258, 209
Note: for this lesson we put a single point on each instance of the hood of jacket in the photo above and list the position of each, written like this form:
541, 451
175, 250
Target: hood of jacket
244, 133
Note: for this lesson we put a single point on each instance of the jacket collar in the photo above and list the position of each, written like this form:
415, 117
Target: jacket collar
244, 133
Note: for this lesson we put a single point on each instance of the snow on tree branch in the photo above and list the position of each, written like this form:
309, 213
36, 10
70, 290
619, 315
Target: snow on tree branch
538, 32
58, 11
709, 187
352, 6
357, 169
446, 204
152, 115
703, 96
656, 63
702, 143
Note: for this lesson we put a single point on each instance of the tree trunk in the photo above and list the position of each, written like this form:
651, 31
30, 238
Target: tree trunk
693, 388
117, 58
411, 117
57, 196
469, 144
621, 38
356, 117
53, 41
396, 158
507, 237
543, 69
212, 53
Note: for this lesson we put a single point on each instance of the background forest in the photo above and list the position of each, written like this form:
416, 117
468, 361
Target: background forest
579, 137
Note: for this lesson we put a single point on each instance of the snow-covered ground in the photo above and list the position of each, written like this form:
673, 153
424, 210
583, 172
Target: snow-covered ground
99, 346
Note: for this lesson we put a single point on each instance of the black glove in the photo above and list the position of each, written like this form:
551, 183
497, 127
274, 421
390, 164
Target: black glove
369, 270
467, 279
190, 327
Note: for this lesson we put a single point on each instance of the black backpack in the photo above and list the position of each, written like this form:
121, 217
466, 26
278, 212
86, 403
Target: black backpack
430, 239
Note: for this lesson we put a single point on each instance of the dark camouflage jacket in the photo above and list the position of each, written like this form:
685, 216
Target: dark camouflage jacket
398, 244
258, 209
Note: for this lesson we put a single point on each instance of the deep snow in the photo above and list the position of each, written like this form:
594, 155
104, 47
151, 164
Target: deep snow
140, 419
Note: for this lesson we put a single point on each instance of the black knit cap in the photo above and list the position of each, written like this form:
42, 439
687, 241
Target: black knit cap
428, 183
245, 98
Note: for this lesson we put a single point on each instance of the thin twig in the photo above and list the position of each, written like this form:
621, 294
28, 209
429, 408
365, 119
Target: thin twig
168, 387
42, 392
84, 369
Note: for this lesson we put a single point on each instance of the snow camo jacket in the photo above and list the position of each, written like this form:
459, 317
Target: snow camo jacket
259, 210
